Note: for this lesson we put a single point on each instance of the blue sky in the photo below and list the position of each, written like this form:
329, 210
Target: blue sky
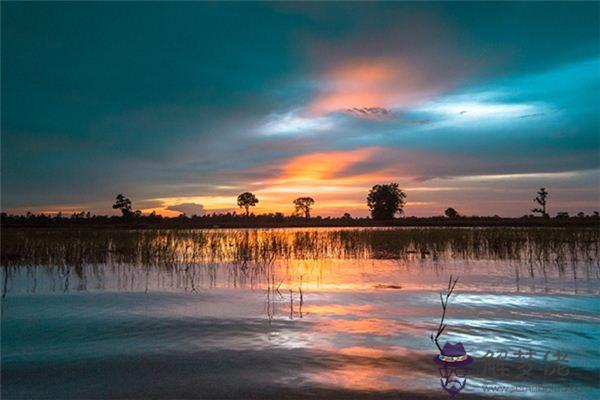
183, 106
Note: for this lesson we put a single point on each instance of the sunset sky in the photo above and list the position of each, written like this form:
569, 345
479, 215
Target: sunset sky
183, 106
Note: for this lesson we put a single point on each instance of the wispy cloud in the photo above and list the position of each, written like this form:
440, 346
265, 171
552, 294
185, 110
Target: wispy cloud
464, 110
536, 176
294, 123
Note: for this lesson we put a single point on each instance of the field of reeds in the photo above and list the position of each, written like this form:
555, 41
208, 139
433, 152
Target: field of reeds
55, 247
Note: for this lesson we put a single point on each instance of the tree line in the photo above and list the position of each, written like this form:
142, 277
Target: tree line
385, 202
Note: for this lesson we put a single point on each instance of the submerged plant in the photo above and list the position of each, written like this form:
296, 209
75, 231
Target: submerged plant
444, 300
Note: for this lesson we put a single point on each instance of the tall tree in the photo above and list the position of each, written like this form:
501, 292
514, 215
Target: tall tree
247, 200
451, 213
124, 204
385, 201
303, 205
540, 199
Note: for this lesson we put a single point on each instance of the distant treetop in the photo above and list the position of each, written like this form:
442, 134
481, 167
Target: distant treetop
247, 200
385, 201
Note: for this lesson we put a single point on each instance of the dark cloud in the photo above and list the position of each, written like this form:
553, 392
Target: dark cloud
532, 115
370, 112
147, 204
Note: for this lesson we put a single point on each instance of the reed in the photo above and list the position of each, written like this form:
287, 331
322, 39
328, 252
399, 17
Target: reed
539, 247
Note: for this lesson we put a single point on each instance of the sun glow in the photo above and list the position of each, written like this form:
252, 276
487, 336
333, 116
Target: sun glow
322, 166
338, 181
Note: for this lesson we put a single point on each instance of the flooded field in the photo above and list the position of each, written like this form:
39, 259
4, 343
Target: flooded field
298, 313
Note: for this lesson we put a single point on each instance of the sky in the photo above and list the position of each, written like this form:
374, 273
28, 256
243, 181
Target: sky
183, 106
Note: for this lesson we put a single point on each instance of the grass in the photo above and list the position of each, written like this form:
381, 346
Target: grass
70, 258
560, 246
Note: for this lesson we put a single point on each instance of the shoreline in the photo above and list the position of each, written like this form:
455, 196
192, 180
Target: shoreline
199, 223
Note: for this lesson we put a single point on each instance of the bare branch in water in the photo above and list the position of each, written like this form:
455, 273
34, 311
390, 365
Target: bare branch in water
444, 300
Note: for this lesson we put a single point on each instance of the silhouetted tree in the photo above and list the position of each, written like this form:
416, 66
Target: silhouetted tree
451, 213
124, 204
542, 194
303, 205
385, 201
346, 216
247, 200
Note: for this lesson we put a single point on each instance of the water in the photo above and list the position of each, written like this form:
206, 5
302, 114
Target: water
312, 313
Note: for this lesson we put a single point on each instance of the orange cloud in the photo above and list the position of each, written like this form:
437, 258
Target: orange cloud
338, 181
376, 83
320, 166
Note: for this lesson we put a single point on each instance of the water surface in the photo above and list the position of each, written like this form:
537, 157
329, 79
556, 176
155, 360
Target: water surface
296, 313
